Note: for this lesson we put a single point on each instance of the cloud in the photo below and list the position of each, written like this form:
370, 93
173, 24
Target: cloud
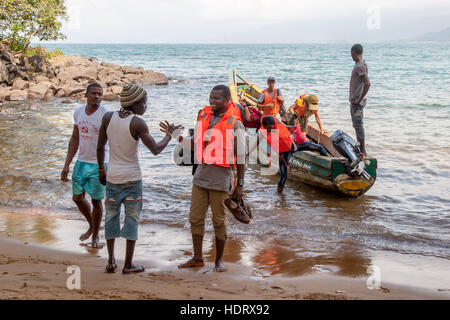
223, 21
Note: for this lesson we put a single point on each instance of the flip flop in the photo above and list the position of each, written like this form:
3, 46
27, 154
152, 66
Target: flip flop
134, 269
85, 236
98, 245
240, 210
111, 268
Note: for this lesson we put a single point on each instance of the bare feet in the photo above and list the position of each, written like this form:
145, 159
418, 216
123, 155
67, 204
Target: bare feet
133, 269
86, 235
280, 189
111, 267
96, 244
220, 267
192, 264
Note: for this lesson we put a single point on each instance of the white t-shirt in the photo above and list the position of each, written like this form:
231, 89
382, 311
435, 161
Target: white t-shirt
88, 128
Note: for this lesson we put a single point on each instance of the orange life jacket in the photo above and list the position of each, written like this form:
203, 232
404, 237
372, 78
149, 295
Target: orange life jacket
301, 108
268, 99
218, 149
237, 112
285, 138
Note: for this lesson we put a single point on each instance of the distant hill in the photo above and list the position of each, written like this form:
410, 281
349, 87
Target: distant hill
442, 35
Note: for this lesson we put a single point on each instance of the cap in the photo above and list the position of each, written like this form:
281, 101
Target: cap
313, 101
270, 79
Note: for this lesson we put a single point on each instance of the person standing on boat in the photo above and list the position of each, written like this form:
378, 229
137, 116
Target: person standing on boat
303, 108
123, 129
287, 144
359, 87
270, 100
85, 176
218, 150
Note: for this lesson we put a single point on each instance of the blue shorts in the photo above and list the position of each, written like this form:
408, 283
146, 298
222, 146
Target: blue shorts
130, 194
85, 179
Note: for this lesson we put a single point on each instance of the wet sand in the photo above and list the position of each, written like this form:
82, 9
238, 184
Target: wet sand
29, 270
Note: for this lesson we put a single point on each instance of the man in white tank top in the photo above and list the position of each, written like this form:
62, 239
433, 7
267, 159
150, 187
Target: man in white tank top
85, 172
123, 179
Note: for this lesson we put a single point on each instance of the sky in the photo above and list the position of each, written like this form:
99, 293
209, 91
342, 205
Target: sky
252, 21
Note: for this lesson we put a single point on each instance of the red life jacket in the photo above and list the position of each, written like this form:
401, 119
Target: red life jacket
268, 99
219, 147
285, 138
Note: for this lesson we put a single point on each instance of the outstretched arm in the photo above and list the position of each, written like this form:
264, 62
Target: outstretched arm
154, 147
319, 122
71, 152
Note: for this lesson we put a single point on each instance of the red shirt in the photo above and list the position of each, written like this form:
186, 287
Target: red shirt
299, 136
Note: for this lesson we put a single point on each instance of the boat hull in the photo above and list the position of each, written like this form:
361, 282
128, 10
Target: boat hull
330, 173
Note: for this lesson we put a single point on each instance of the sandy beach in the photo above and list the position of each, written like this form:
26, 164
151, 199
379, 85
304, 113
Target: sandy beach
38, 271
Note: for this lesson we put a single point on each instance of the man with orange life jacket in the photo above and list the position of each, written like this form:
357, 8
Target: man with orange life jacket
287, 145
218, 150
270, 99
303, 108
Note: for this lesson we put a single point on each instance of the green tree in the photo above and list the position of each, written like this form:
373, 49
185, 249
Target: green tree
22, 21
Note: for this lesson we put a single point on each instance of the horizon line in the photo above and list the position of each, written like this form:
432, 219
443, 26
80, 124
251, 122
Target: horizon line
236, 43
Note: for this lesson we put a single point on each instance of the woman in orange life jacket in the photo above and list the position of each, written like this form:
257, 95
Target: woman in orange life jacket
287, 144
303, 108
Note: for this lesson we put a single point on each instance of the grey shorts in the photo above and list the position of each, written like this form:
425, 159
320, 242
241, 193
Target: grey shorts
357, 113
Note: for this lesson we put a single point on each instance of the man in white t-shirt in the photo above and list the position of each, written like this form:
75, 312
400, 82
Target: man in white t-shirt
88, 120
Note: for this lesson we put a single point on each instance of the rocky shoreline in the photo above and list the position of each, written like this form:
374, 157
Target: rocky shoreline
38, 78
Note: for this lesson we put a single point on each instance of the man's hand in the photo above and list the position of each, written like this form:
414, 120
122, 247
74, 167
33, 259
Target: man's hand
170, 129
64, 174
102, 176
238, 193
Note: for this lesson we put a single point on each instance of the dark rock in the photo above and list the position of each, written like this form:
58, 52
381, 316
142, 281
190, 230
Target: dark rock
35, 63
4, 74
6, 54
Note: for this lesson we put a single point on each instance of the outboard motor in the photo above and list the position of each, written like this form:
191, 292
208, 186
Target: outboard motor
349, 148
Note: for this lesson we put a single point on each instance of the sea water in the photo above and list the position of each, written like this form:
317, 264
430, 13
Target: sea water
407, 128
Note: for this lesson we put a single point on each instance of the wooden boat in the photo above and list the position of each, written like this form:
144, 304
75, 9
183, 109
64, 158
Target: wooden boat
327, 172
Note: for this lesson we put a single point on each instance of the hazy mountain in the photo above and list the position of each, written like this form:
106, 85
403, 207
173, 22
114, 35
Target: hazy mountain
393, 27
442, 35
